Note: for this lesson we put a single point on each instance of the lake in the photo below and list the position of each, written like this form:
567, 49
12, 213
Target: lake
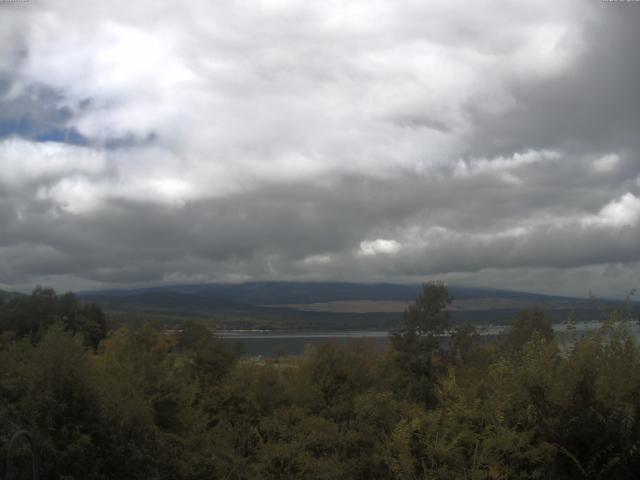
276, 343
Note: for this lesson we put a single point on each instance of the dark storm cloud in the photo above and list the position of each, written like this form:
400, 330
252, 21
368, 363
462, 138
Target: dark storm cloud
291, 224
591, 107
361, 141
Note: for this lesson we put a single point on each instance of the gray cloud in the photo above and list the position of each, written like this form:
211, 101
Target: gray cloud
364, 141
591, 107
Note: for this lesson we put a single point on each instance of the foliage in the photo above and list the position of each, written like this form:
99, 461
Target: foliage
428, 315
154, 405
417, 341
524, 327
30, 316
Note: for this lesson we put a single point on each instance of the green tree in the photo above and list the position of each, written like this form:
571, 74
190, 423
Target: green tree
30, 316
464, 339
210, 358
527, 325
428, 316
417, 340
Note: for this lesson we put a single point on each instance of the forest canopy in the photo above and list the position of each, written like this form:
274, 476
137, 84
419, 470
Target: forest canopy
139, 403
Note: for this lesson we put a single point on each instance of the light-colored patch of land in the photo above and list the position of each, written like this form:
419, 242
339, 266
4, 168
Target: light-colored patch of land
349, 306
396, 306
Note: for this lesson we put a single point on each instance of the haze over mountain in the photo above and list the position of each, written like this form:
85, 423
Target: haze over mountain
322, 305
270, 293
4, 295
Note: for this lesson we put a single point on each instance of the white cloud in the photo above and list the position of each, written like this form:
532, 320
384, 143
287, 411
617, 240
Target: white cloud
549, 49
379, 246
76, 195
622, 212
25, 161
606, 164
505, 167
318, 259
308, 90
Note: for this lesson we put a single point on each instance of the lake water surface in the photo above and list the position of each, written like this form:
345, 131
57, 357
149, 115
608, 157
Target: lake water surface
276, 343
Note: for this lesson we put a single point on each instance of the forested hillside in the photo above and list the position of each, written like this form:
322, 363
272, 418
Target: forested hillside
323, 305
140, 404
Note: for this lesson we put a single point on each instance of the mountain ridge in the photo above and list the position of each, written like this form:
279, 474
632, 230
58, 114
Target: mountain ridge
272, 293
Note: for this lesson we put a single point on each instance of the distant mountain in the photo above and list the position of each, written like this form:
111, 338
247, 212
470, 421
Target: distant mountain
318, 305
5, 295
279, 293
152, 299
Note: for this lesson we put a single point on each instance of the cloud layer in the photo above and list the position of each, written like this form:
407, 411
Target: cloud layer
363, 140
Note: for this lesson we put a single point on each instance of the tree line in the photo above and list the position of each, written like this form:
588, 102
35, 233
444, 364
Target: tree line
137, 403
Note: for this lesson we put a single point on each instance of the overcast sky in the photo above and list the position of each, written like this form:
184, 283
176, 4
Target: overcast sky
491, 143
